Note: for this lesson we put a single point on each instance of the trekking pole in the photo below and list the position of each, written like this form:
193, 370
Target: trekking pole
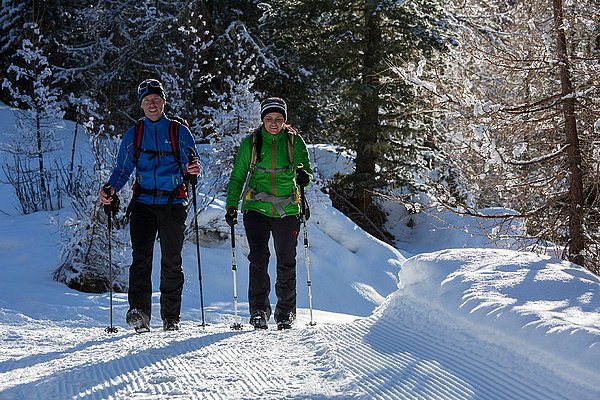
194, 181
108, 209
306, 258
236, 325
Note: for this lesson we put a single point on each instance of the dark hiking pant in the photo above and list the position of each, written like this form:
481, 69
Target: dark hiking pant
285, 237
169, 222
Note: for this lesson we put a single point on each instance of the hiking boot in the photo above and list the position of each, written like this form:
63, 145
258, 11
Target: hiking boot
138, 320
258, 320
285, 321
170, 325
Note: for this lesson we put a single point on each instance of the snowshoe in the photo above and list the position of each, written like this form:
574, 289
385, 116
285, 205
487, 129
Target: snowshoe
138, 320
258, 320
170, 325
285, 321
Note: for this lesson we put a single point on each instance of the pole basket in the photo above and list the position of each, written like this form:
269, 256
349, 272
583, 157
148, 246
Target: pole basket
236, 326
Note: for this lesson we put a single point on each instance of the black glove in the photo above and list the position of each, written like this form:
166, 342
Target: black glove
302, 177
231, 216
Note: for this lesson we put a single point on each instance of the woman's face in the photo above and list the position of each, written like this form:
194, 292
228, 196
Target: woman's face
273, 122
153, 106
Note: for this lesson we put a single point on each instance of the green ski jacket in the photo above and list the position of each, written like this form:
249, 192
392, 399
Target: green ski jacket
271, 188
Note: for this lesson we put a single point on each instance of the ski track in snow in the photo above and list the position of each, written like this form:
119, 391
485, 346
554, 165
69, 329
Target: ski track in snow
214, 363
400, 362
371, 358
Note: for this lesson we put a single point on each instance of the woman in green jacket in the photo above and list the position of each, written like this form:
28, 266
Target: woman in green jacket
270, 165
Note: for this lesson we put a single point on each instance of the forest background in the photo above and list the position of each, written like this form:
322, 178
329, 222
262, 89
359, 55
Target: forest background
466, 105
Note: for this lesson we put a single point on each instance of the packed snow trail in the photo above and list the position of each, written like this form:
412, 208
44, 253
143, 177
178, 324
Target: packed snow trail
414, 356
210, 363
410, 356
446, 333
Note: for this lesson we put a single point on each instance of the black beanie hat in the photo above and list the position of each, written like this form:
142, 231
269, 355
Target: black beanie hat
150, 86
273, 104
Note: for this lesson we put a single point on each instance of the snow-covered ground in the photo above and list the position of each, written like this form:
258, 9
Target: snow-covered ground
440, 317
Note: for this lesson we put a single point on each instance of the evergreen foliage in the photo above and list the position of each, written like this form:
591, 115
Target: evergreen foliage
84, 258
336, 69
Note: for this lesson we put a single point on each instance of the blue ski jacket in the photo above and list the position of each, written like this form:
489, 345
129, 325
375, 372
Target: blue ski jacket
159, 170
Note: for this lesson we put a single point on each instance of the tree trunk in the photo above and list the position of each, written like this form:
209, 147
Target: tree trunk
368, 124
72, 164
576, 199
40, 154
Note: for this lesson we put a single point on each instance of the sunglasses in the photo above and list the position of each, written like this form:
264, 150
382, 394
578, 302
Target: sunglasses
149, 82
144, 86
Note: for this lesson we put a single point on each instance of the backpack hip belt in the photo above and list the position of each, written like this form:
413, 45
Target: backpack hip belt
180, 192
279, 202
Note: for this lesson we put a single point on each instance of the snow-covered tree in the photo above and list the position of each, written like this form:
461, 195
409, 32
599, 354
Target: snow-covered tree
85, 254
513, 92
116, 44
11, 14
233, 109
183, 69
31, 85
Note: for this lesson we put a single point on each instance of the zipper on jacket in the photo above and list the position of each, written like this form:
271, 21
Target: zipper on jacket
157, 161
273, 188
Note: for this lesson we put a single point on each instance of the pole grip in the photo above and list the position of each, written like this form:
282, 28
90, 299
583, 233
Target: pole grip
106, 189
302, 201
233, 236
107, 207
191, 157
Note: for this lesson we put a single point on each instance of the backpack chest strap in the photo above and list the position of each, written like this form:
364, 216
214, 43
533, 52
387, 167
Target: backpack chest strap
155, 153
173, 137
273, 170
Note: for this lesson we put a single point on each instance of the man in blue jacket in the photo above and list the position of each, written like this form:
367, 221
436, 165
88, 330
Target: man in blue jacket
157, 149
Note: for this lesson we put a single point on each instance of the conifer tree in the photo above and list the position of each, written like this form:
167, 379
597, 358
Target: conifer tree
334, 59
119, 43
84, 264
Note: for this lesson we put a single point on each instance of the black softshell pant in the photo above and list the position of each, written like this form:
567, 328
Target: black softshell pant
285, 237
169, 222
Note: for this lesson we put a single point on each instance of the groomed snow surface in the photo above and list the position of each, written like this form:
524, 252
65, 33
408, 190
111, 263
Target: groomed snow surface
416, 322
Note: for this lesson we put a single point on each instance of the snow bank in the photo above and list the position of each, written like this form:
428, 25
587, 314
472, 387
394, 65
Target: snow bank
433, 230
542, 308
351, 271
